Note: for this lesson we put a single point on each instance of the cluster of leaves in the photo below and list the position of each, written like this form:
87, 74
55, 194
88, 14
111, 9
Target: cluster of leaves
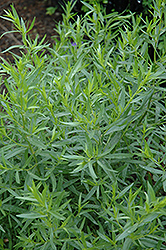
142, 6
83, 135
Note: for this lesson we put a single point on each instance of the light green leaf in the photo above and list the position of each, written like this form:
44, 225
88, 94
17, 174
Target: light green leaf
71, 124
124, 191
31, 215
1, 228
127, 232
151, 193
57, 215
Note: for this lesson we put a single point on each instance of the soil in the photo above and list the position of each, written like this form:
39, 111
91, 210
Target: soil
44, 24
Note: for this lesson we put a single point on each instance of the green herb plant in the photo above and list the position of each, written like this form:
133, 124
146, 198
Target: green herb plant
146, 5
83, 136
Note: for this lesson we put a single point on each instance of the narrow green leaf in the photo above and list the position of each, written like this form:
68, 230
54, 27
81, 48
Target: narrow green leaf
152, 170
31, 215
71, 124
1, 228
127, 232
14, 152
124, 191
151, 193
57, 215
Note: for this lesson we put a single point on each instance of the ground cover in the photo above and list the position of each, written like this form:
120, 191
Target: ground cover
82, 135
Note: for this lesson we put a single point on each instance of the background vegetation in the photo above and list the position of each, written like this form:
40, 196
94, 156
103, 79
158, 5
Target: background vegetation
141, 6
83, 136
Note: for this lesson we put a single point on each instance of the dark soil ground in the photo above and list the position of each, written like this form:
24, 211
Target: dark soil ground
28, 9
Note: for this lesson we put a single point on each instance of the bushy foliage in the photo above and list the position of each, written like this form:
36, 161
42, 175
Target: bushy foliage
140, 6
83, 136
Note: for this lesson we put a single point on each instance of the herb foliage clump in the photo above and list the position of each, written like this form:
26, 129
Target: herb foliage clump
83, 135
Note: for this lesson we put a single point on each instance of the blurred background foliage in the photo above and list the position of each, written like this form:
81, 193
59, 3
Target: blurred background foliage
110, 6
